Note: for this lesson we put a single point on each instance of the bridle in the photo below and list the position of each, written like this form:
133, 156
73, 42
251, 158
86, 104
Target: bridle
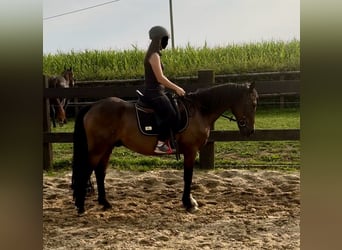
241, 123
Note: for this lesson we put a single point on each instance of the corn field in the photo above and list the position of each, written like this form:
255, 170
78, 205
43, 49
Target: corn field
128, 64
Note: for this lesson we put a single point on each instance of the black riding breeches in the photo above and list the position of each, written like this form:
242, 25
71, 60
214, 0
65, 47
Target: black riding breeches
167, 115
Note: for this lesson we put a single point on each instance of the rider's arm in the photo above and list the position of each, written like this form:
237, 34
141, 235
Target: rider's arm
158, 72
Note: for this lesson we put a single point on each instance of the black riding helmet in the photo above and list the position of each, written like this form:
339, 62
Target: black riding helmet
161, 34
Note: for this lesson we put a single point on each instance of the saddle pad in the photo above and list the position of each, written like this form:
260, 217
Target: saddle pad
148, 122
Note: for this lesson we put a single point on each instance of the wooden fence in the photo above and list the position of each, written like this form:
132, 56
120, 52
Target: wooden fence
126, 89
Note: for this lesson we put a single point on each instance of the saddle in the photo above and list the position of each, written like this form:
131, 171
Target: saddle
148, 120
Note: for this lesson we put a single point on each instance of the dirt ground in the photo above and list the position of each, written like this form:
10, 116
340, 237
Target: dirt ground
239, 209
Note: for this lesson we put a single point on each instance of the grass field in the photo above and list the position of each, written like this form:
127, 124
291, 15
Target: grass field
278, 154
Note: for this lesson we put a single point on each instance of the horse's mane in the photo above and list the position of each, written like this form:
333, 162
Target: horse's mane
208, 99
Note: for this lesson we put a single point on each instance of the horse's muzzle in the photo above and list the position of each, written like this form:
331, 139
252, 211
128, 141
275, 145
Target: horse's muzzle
246, 131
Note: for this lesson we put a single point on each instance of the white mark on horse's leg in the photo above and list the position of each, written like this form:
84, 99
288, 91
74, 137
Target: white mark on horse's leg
193, 201
194, 205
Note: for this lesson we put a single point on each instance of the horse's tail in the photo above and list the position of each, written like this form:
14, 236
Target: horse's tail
80, 165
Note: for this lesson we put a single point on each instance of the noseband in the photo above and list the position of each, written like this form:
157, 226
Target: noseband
241, 123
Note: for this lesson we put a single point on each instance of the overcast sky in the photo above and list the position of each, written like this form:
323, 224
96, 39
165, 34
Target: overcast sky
125, 23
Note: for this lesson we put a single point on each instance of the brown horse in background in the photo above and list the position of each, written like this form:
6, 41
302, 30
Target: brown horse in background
59, 105
112, 122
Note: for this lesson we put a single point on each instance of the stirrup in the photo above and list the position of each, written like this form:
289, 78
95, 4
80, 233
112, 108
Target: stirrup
165, 148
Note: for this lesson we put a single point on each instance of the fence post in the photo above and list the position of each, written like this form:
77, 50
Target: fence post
206, 156
47, 147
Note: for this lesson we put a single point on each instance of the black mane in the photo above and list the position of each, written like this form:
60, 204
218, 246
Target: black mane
212, 98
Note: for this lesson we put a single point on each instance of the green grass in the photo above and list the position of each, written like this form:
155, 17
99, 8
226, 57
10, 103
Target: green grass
128, 64
245, 154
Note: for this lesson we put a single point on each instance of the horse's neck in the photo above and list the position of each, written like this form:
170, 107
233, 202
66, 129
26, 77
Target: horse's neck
69, 81
62, 82
59, 107
66, 77
219, 99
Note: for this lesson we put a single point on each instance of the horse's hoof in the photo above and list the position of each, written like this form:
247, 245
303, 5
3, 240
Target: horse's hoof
192, 210
80, 211
105, 208
106, 204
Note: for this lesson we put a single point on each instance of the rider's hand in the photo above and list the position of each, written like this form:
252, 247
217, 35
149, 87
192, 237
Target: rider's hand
180, 91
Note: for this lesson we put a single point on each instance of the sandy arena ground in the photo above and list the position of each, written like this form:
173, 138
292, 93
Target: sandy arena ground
239, 209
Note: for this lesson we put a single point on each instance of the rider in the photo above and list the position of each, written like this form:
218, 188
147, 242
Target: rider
155, 83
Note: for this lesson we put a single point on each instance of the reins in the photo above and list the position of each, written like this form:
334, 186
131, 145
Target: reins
230, 118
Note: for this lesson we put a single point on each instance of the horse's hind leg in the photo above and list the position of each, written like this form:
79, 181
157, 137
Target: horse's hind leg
100, 173
80, 187
90, 187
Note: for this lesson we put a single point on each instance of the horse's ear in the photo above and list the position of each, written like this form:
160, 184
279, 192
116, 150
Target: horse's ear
70, 68
64, 67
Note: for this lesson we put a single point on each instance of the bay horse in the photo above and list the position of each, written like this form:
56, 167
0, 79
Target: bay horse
59, 105
112, 122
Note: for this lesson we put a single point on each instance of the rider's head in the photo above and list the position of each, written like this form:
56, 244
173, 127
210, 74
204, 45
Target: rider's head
159, 35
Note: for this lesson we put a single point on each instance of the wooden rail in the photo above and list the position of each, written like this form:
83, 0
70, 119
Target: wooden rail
215, 136
126, 90
265, 88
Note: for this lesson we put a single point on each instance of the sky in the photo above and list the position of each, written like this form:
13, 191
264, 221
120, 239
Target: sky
124, 24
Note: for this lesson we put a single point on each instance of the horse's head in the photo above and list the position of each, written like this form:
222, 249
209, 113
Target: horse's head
244, 110
68, 75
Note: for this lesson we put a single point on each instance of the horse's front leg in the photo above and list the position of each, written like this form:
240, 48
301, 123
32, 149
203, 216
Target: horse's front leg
53, 115
189, 202
65, 103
